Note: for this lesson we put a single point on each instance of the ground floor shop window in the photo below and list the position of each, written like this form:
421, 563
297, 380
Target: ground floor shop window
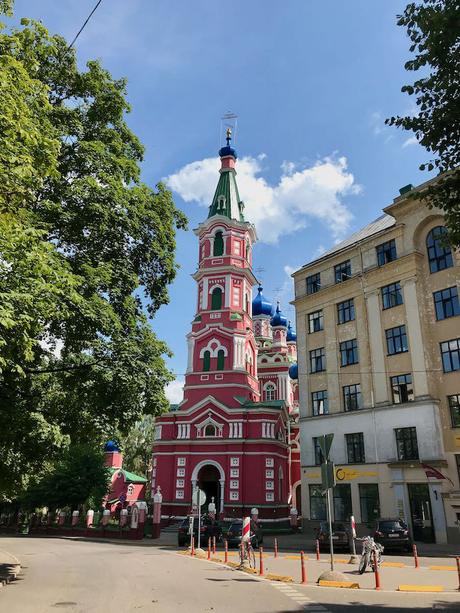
317, 503
369, 501
342, 502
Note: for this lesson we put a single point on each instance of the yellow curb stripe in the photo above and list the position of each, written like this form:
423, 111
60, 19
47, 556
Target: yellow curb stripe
348, 584
282, 578
341, 560
393, 565
420, 588
291, 557
442, 567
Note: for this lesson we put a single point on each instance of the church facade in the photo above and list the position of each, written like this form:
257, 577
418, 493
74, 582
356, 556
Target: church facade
235, 434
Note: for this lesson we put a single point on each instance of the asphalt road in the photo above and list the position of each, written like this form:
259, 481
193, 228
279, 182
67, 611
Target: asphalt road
90, 577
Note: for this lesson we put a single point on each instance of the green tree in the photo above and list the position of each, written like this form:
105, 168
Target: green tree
433, 27
86, 258
137, 446
78, 479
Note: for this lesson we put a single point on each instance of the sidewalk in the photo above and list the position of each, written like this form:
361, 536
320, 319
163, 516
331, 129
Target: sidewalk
9, 567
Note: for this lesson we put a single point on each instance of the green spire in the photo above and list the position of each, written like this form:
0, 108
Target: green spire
226, 199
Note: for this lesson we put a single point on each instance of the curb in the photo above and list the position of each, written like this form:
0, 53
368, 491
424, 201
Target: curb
281, 578
420, 588
343, 584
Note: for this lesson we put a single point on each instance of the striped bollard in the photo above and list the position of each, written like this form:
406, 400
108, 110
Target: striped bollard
213, 545
303, 571
261, 561
226, 551
458, 571
317, 550
209, 548
192, 548
276, 548
414, 549
246, 529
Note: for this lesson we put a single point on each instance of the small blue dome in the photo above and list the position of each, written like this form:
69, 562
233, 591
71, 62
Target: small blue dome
294, 371
291, 336
111, 446
260, 304
226, 151
278, 318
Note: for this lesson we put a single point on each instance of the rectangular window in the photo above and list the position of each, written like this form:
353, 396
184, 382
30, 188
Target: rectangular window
342, 271
181, 472
317, 503
317, 451
446, 303
396, 340
352, 397
355, 448
391, 295
235, 472
179, 494
406, 443
342, 502
234, 461
386, 252
402, 390
269, 462
319, 403
317, 360
349, 352
234, 495
269, 496
269, 485
454, 406
269, 473
234, 484
313, 283
450, 354
346, 311
181, 461
369, 502
315, 322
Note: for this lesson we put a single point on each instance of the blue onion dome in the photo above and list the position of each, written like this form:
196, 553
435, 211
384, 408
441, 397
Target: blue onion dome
111, 446
260, 304
291, 336
294, 371
226, 151
278, 318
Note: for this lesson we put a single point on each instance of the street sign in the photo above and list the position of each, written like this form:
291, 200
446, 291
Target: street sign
325, 443
190, 524
328, 475
198, 497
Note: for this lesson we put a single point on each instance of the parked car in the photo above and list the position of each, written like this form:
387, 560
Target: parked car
209, 528
393, 533
340, 535
235, 530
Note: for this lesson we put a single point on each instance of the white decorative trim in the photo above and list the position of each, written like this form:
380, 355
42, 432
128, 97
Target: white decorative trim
214, 352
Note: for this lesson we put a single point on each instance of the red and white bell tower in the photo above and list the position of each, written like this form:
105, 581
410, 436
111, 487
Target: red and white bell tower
222, 352
231, 436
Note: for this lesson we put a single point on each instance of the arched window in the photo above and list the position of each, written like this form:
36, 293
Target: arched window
218, 244
206, 361
130, 490
220, 359
210, 430
216, 299
439, 255
270, 392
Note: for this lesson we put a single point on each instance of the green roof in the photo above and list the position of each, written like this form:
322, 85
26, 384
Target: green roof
129, 476
277, 404
226, 199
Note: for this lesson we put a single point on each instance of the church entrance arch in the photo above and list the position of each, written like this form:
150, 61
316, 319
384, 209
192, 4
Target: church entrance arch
209, 476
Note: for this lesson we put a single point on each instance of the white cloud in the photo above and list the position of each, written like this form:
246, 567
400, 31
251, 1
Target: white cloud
410, 141
174, 391
379, 128
301, 196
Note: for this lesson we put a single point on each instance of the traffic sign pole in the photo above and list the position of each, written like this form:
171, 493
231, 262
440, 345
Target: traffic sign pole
329, 518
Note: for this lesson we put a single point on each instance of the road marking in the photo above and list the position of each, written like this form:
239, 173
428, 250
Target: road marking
393, 565
346, 584
442, 567
299, 597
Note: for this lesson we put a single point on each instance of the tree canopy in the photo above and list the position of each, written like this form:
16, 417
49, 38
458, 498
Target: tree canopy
78, 478
433, 27
86, 256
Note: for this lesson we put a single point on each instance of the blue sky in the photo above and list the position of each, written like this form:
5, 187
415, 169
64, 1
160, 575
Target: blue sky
311, 81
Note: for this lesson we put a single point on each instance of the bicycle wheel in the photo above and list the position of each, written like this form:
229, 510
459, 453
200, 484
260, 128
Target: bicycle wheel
251, 557
363, 563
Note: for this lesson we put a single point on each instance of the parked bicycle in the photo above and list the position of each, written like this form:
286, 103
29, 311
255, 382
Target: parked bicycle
367, 554
247, 553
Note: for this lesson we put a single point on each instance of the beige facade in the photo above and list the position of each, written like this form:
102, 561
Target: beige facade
388, 386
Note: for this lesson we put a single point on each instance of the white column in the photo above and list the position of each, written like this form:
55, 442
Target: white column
227, 291
377, 353
205, 294
191, 346
414, 333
